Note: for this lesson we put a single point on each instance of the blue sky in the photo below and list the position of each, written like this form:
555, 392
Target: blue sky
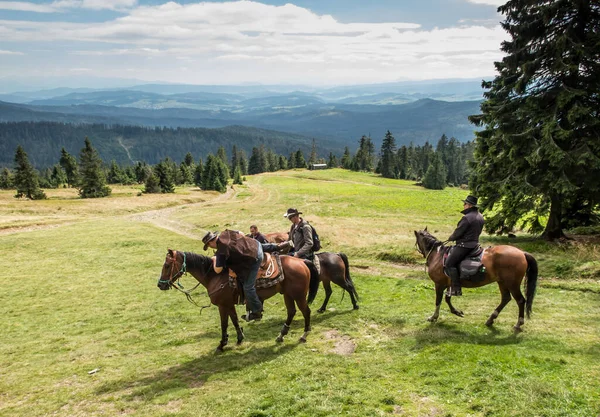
311, 42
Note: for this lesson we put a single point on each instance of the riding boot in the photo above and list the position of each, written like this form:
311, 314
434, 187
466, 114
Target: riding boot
455, 289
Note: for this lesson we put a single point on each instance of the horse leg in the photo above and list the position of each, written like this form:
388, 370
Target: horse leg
291, 312
305, 309
327, 288
505, 300
236, 323
518, 296
439, 292
224, 323
352, 297
454, 311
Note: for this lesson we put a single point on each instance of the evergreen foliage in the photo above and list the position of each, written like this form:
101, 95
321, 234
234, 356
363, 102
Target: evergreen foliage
198, 174
92, 183
237, 176
214, 176
539, 151
388, 157
152, 184
26, 178
6, 179
69, 165
435, 177
164, 173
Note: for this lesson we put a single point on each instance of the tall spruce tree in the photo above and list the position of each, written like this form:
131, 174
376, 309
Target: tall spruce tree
69, 164
539, 151
388, 165
6, 179
435, 177
26, 179
164, 172
92, 182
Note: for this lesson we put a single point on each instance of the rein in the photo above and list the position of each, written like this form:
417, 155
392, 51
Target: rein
174, 279
436, 244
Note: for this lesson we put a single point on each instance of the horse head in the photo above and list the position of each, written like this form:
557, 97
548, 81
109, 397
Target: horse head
173, 268
425, 241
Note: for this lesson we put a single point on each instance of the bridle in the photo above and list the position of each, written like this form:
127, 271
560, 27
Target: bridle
174, 278
436, 244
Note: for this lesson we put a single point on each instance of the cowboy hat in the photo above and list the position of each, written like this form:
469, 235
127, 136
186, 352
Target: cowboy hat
208, 237
292, 212
472, 200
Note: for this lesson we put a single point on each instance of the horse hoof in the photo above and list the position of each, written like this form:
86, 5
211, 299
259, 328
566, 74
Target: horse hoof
279, 339
302, 340
517, 329
321, 310
432, 319
239, 342
459, 313
219, 349
356, 307
489, 323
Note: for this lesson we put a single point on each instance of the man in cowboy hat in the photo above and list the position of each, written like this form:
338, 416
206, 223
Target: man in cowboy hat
466, 236
243, 255
301, 235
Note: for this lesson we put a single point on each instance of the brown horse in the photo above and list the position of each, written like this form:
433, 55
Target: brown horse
277, 237
504, 264
301, 278
334, 268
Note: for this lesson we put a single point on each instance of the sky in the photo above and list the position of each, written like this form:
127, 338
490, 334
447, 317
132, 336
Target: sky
307, 42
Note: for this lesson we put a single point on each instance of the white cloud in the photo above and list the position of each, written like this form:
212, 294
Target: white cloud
496, 3
4, 52
264, 43
26, 7
61, 5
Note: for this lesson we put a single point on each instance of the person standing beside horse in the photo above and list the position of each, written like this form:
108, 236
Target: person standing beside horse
466, 236
243, 255
255, 234
301, 235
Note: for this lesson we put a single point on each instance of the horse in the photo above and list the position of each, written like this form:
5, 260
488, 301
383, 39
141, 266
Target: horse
334, 268
300, 278
279, 237
503, 264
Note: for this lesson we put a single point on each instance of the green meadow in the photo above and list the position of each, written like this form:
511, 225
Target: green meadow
86, 332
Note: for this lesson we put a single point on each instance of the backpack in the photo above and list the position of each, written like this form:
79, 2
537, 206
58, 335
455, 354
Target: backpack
316, 241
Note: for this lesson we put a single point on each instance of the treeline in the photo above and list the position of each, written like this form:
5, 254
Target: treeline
447, 164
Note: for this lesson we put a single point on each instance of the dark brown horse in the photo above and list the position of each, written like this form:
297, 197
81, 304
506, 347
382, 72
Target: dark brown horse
301, 278
504, 264
334, 268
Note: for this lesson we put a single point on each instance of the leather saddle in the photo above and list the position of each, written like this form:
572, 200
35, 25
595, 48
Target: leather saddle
471, 268
269, 268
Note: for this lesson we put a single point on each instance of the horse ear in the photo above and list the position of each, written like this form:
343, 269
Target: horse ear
425, 229
170, 252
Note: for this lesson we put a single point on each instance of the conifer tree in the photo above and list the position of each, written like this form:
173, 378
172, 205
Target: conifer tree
388, 165
332, 162
313, 153
299, 161
539, 151
283, 162
58, 176
237, 176
346, 159
25, 178
69, 164
92, 182
164, 173
198, 174
435, 177
152, 184
6, 179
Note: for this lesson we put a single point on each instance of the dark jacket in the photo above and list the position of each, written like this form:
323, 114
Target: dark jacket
301, 235
260, 237
468, 229
239, 251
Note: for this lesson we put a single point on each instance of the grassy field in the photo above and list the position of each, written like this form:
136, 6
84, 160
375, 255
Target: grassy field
80, 295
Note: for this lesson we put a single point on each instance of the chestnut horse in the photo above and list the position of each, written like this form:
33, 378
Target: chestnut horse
301, 278
504, 264
334, 268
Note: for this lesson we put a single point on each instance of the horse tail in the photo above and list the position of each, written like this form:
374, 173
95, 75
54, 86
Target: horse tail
313, 285
531, 285
349, 283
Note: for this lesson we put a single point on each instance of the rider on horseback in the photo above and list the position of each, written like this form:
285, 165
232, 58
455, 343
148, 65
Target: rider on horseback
466, 236
301, 235
243, 255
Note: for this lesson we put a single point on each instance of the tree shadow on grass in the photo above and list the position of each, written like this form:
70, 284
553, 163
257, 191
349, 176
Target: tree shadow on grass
193, 373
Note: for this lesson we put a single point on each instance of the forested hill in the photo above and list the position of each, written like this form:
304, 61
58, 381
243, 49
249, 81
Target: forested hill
127, 144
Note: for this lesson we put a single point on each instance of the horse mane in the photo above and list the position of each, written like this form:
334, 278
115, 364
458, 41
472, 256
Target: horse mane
430, 240
197, 261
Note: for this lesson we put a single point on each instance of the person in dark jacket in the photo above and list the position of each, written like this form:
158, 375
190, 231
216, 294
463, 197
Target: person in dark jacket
466, 236
243, 255
255, 234
300, 235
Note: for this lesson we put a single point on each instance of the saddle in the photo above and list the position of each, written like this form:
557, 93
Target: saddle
269, 274
471, 268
